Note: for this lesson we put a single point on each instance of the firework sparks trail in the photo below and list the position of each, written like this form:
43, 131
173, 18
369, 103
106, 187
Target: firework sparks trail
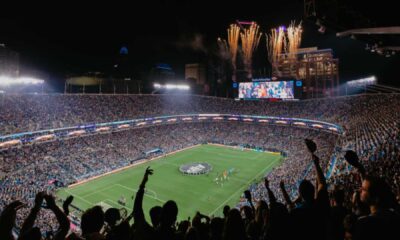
276, 44
250, 39
233, 41
294, 39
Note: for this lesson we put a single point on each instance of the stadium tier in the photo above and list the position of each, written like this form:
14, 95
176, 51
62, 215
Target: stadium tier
27, 113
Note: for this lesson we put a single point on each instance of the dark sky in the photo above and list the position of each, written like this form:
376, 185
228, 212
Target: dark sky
68, 38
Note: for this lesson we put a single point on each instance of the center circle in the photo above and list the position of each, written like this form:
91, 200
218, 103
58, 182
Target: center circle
195, 168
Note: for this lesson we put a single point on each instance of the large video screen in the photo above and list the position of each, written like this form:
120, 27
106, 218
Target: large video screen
278, 89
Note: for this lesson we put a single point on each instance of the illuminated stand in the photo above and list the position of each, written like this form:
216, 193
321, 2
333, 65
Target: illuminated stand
26, 138
21, 84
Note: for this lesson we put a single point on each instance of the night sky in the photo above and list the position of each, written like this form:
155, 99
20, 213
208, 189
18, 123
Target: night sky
62, 39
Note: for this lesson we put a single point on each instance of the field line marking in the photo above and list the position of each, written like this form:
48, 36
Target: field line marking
171, 164
241, 189
135, 163
77, 196
117, 204
97, 191
147, 195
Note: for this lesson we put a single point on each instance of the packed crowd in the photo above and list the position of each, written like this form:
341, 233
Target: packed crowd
21, 113
371, 126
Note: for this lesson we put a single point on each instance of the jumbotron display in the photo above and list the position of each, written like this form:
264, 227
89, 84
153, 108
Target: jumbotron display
256, 90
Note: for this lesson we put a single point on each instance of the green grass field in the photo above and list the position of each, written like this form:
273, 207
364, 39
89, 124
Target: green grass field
192, 193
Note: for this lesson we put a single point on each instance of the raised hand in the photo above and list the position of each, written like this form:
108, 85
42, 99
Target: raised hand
247, 194
266, 182
39, 199
66, 204
51, 202
148, 172
10, 210
312, 147
352, 158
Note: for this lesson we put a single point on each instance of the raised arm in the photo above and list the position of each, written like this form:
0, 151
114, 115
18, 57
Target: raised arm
66, 204
30, 220
138, 214
247, 194
286, 196
7, 219
62, 218
352, 158
320, 175
321, 181
271, 196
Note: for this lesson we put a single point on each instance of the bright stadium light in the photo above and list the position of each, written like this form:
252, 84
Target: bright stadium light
5, 80
175, 86
362, 81
171, 86
29, 80
183, 87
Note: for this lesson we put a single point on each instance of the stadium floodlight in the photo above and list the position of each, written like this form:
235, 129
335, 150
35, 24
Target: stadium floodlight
5, 80
175, 86
171, 86
363, 81
29, 80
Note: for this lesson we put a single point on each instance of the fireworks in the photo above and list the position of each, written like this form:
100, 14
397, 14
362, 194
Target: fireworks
281, 43
233, 41
294, 39
276, 44
223, 49
250, 39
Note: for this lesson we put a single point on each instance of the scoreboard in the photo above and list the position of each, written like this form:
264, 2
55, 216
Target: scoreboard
285, 90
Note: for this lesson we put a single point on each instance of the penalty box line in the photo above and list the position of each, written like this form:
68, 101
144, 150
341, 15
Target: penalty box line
134, 190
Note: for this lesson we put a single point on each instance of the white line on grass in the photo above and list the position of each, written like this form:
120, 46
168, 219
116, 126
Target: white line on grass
97, 191
168, 163
241, 189
148, 195
117, 204
91, 204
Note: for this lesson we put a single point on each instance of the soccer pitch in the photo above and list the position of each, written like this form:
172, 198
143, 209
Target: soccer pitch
191, 192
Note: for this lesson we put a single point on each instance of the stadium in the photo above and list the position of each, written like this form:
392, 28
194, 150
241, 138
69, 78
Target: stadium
290, 155
69, 160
